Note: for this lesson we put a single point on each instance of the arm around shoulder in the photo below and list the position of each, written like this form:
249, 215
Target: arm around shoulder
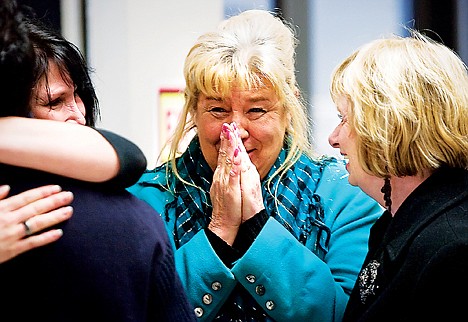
71, 150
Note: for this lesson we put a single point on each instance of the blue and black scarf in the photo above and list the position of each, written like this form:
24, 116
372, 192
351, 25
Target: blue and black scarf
290, 199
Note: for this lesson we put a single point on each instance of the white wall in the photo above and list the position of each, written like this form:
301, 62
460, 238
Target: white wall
138, 46
340, 27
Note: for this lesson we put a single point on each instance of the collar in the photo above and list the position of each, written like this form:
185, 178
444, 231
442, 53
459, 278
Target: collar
443, 189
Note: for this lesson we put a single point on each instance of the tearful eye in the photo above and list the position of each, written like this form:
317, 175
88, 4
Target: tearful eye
343, 119
256, 113
54, 104
257, 110
218, 112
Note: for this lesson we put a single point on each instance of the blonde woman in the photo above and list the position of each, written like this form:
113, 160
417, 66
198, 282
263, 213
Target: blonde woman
404, 130
263, 230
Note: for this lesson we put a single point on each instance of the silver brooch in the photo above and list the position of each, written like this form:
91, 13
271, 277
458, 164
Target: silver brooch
367, 278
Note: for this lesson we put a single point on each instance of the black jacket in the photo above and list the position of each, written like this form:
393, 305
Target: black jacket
417, 265
113, 263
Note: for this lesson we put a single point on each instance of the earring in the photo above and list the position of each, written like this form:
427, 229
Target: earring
387, 191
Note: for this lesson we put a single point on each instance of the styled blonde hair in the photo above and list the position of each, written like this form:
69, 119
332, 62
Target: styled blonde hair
408, 105
247, 50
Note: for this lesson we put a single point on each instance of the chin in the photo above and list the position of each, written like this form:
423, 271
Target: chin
351, 180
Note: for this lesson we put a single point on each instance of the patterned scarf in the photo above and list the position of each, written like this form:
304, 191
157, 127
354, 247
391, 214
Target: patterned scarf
296, 206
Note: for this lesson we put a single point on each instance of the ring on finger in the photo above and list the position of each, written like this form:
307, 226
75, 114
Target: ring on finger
27, 228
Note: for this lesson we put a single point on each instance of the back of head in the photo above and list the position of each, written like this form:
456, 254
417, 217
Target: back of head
409, 105
50, 46
16, 61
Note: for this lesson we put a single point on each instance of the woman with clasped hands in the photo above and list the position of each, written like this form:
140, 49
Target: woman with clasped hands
263, 231
403, 103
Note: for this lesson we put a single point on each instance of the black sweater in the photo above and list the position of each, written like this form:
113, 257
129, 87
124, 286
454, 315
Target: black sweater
113, 263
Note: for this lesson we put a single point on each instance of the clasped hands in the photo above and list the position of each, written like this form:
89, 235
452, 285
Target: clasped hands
235, 193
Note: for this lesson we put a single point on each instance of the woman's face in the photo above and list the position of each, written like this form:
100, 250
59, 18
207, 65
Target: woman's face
261, 120
60, 103
344, 138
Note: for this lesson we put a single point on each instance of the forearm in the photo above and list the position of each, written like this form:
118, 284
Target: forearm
202, 272
74, 151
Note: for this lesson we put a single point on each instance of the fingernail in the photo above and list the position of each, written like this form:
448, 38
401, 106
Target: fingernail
236, 152
56, 188
226, 132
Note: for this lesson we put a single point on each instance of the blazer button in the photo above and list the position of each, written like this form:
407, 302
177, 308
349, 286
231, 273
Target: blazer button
270, 305
251, 278
198, 312
207, 299
260, 290
216, 286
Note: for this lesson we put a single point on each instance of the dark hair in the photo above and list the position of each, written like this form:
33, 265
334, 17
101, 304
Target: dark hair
50, 45
16, 61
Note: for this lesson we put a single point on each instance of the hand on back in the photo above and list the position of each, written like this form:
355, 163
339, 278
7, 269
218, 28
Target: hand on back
30, 212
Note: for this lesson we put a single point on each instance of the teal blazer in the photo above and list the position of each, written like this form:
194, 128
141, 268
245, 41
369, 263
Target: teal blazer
284, 276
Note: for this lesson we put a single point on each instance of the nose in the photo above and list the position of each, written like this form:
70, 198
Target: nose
333, 138
241, 122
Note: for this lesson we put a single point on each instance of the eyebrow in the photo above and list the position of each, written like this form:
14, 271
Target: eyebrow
211, 98
258, 99
254, 99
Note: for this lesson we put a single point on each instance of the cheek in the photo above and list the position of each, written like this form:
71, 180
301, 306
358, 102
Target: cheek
41, 113
209, 131
269, 133
270, 136
80, 105
209, 142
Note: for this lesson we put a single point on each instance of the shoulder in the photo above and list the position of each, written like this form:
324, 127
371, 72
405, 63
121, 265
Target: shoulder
338, 195
326, 169
158, 175
334, 169
153, 187
316, 168
123, 215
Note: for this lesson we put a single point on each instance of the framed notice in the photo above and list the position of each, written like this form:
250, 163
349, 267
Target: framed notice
171, 103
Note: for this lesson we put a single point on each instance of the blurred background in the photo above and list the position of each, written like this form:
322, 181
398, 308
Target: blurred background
136, 49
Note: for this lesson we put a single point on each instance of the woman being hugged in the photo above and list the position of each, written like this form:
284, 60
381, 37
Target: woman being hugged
263, 230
